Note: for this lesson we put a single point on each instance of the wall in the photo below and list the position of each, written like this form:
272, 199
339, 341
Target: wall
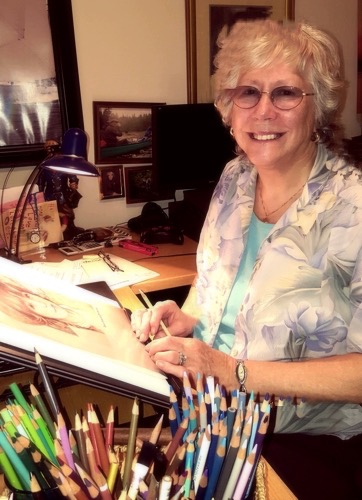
134, 50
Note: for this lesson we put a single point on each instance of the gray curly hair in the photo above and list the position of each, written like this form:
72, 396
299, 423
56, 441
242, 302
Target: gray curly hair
314, 53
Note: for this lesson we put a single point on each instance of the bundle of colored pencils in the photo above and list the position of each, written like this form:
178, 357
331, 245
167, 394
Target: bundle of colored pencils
36, 457
213, 453
215, 447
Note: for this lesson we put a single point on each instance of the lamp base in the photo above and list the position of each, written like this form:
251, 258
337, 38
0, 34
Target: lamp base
16, 258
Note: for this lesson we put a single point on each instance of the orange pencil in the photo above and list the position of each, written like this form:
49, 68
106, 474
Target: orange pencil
91, 433
96, 473
96, 431
110, 428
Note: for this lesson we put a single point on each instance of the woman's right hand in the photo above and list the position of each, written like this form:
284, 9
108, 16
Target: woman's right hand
146, 322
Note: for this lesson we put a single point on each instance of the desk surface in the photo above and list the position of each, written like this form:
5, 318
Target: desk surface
175, 264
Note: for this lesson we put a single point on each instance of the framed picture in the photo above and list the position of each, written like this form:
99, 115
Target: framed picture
204, 21
39, 78
139, 185
122, 132
111, 182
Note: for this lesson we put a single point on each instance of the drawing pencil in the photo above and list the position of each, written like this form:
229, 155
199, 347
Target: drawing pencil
174, 403
113, 472
178, 459
64, 440
241, 486
126, 479
19, 397
80, 438
203, 485
156, 431
230, 458
43, 410
9, 471
177, 439
216, 469
30, 427
94, 425
110, 428
235, 471
43, 429
53, 403
165, 488
20, 469
96, 473
259, 438
149, 305
27, 460
89, 483
201, 458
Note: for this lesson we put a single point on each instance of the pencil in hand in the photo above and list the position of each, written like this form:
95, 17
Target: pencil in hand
149, 306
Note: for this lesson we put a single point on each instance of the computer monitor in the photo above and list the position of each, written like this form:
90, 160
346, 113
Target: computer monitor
190, 146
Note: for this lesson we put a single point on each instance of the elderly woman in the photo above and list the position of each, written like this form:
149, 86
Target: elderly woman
276, 306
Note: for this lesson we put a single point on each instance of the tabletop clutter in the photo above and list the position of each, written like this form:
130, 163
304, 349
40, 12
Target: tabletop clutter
213, 452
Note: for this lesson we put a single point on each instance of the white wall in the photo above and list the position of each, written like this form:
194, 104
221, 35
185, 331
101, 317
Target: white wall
134, 50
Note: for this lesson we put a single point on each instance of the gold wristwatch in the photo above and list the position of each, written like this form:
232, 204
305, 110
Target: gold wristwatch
241, 374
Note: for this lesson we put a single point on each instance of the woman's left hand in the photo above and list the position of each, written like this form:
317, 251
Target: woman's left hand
174, 355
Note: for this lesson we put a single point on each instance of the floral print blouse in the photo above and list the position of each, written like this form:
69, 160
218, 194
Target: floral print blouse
305, 292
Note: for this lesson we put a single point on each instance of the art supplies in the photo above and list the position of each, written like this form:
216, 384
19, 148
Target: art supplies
202, 460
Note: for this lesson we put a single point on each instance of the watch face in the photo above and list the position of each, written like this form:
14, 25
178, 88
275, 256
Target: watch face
241, 373
35, 237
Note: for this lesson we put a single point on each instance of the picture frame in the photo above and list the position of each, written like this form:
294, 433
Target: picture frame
204, 20
67, 110
123, 132
139, 184
111, 182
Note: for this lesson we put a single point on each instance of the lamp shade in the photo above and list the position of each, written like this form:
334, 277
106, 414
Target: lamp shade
71, 158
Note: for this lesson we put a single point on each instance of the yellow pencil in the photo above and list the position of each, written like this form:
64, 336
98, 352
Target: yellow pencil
149, 305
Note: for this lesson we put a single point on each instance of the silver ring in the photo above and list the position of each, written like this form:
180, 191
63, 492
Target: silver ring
182, 358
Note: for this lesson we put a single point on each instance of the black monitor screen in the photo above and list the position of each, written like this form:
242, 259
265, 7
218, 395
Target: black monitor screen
190, 146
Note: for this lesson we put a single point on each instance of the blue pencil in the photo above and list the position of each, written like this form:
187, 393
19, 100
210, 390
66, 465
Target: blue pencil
216, 469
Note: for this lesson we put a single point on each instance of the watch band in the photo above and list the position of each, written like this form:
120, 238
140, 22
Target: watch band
241, 374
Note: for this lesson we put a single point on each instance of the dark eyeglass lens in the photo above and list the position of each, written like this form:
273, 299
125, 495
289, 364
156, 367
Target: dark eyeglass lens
247, 97
286, 97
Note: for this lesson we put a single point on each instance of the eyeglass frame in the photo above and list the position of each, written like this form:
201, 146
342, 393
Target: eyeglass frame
270, 94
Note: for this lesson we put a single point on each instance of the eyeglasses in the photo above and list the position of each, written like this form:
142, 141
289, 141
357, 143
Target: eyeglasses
285, 98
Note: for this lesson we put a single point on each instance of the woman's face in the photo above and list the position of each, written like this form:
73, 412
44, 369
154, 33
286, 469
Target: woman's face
270, 137
43, 307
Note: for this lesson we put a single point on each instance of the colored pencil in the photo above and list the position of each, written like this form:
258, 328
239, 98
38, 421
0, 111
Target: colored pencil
126, 479
94, 425
43, 410
53, 403
149, 305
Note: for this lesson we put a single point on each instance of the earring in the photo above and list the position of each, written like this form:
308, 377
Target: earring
316, 137
231, 132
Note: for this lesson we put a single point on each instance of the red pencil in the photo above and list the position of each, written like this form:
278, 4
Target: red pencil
99, 440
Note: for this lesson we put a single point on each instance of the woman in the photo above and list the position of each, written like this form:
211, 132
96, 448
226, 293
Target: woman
278, 290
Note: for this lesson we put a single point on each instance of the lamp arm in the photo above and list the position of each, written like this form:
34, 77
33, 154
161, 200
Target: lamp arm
20, 211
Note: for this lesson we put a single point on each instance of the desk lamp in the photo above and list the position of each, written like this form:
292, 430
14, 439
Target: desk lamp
70, 160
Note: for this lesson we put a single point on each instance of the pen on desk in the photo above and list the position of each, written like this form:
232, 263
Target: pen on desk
149, 305
107, 259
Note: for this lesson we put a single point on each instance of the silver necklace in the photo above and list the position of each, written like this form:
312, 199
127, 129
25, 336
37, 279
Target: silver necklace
268, 214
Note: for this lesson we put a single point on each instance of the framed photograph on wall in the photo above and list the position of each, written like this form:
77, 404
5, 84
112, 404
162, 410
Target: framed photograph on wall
139, 185
111, 183
204, 21
39, 81
122, 132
